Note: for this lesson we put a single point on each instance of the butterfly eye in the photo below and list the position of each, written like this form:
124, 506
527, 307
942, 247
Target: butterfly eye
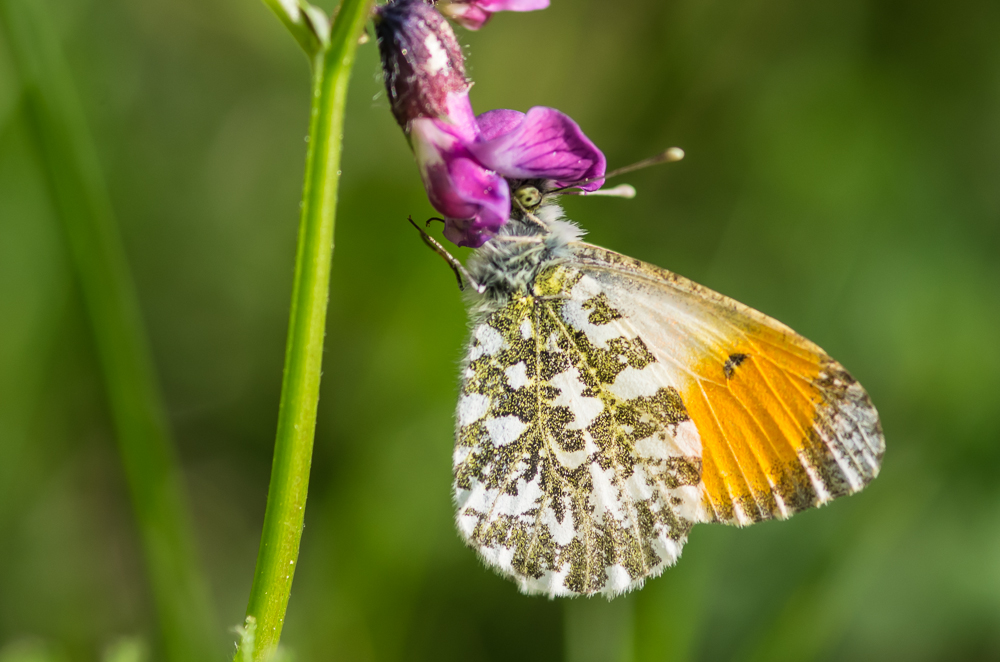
528, 196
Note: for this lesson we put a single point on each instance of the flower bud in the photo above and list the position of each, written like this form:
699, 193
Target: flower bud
421, 59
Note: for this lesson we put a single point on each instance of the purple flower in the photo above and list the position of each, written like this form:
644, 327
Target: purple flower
474, 200
542, 144
464, 160
465, 165
473, 14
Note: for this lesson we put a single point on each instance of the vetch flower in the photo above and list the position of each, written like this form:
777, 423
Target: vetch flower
473, 14
465, 164
429, 94
465, 161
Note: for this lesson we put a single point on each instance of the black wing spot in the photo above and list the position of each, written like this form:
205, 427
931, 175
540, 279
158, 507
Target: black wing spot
603, 311
734, 360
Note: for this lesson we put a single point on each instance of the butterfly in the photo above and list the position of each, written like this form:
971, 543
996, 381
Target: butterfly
608, 405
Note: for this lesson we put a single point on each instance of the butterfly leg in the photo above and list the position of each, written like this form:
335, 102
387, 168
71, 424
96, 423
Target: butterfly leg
456, 266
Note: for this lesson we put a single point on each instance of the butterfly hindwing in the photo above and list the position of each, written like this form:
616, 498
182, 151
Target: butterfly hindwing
577, 467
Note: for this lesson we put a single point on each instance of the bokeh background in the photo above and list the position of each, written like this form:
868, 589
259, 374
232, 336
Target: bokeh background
843, 175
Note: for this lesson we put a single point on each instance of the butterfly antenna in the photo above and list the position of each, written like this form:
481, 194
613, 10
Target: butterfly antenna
460, 271
669, 155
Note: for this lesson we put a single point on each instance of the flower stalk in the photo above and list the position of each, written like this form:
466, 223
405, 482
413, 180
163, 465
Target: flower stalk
332, 60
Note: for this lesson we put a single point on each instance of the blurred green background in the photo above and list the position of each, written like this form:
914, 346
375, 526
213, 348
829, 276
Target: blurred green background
843, 175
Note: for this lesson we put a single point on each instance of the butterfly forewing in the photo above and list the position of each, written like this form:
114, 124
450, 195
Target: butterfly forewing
782, 426
577, 466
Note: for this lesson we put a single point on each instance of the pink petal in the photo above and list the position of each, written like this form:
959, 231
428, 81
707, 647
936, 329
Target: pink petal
474, 200
476, 231
473, 14
460, 116
512, 5
495, 123
469, 15
546, 144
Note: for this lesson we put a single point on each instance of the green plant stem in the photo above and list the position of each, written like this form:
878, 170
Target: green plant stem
286, 497
74, 175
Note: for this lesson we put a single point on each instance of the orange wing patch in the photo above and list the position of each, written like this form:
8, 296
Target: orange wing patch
759, 410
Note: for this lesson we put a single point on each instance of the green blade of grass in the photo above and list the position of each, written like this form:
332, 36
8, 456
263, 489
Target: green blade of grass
286, 497
134, 399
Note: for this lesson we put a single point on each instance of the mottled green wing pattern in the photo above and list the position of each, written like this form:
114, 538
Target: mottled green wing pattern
577, 469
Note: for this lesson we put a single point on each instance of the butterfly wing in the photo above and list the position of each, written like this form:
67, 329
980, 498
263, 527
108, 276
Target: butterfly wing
616, 404
577, 469
782, 426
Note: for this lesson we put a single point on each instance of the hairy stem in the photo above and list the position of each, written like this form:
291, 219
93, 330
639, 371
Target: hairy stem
286, 498
151, 468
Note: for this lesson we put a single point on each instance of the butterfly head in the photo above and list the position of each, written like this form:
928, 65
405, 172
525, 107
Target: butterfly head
528, 196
